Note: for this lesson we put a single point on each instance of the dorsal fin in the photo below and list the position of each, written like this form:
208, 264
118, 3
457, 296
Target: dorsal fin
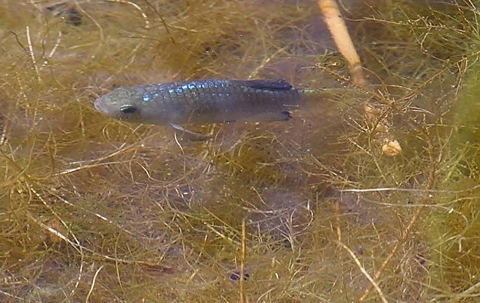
279, 84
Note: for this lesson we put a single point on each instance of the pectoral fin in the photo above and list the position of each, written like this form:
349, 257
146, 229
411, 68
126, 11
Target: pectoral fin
194, 135
286, 115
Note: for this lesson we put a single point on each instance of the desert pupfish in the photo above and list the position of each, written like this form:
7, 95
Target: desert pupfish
206, 101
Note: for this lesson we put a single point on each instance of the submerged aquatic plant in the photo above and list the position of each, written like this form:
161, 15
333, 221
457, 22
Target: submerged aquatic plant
93, 209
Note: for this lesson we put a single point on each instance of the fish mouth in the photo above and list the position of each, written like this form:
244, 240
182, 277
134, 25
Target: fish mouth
99, 105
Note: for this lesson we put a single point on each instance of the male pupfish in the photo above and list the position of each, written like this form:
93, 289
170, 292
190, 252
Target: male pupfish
207, 101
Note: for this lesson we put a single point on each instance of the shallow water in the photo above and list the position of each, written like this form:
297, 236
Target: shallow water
93, 209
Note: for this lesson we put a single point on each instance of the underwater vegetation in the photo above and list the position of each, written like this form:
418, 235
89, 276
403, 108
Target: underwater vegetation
94, 209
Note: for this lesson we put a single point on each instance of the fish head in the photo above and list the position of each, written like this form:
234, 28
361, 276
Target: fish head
120, 104
128, 104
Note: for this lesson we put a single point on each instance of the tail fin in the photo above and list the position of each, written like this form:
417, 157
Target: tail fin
322, 101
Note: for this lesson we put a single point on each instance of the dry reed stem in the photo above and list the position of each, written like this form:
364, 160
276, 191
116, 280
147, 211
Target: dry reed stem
242, 262
340, 35
342, 39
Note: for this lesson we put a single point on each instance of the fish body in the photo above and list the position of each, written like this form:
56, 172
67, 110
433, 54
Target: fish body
203, 102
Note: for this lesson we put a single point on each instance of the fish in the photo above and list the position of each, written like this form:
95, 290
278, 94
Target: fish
207, 101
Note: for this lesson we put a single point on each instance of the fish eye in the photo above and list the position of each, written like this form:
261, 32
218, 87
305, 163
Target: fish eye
128, 109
